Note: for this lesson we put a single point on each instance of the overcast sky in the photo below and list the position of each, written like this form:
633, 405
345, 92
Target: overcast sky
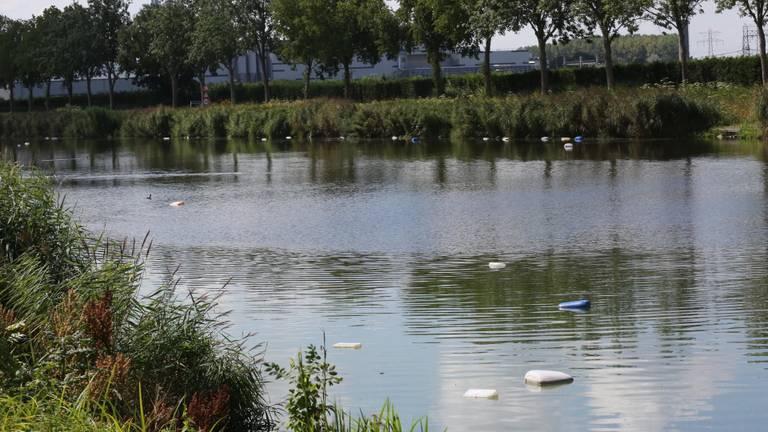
729, 25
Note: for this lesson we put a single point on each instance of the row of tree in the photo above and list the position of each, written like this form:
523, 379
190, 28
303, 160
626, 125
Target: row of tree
179, 39
628, 49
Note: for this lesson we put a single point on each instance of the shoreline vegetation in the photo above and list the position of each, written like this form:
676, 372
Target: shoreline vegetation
662, 111
81, 350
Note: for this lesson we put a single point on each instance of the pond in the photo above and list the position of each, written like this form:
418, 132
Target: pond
388, 244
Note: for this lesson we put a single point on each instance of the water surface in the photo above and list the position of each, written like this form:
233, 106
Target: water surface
387, 244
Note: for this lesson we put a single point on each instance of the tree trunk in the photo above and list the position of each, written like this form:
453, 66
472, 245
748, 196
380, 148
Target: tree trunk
543, 64
682, 51
263, 60
307, 72
231, 71
88, 90
69, 91
487, 68
347, 81
174, 90
48, 95
762, 54
111, 82
438, 83
608, 60
201, 81
11, 96
30, 100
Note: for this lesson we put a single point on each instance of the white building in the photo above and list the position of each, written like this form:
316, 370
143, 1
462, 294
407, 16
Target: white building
405, 65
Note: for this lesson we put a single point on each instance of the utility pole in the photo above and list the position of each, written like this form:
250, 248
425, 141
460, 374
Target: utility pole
748, 34
710, 41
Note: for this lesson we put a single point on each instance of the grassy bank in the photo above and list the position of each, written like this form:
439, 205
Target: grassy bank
657, 112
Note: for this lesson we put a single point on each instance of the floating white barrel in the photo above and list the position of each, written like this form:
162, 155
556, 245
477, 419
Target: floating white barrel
568, 147
394, 138
505, 139
177, 204
545, 377
289, 137
565, 139
348, 345
486, 139
263, 140
166, 138
481, 394
544, 139
496, 265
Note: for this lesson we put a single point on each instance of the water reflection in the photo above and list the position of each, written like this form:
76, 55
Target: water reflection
388, 244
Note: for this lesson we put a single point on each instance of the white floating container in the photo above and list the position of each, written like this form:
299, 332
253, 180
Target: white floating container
166, 138
544, 139
486, 139
481, 394
496, 265
289, 137
177, 204
547, 377
568, 147
565, 139
348, 345
394, 138
505, 139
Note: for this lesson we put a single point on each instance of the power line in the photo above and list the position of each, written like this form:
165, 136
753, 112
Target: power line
710, 40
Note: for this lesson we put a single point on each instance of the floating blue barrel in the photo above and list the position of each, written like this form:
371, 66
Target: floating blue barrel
415, 140
579, 139
578, 304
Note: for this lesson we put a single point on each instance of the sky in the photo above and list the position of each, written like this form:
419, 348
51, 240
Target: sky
728, 26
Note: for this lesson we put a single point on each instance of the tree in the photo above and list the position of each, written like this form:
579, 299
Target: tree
550, 20
610, 17
303, 27
489, 18
10, 38
758, 11
439, 26
83, 47
110, 17
49, 25
71, 48
157, 43
217, 38
676, 14
28, 58
258, 27
362, 30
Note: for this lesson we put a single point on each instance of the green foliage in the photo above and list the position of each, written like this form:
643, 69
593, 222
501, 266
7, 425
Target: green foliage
762, 109
440, 26
71, 325
158, 41
63, 122
311, 376
627, 49
588, 112
386, 420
